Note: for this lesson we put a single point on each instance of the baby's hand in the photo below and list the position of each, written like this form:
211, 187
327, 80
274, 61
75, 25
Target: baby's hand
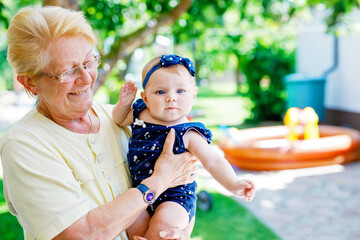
127, 93
244, 188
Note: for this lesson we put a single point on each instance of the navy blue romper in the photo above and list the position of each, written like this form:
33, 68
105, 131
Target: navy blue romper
145, 146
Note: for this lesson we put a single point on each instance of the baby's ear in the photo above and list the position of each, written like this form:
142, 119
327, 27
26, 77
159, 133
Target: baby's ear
143, 96
195, 92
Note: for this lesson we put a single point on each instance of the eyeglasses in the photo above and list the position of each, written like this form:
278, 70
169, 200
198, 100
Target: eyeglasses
73, 73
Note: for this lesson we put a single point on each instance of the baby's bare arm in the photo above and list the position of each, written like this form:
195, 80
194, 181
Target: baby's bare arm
122, 114
219, 167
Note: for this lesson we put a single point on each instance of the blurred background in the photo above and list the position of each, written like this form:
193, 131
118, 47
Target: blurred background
254, 59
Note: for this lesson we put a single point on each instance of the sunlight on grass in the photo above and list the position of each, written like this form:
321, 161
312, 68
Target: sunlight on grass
3, 208
225, 111
217, 105
227, 219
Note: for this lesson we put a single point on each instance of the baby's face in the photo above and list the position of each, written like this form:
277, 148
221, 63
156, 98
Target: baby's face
170, 94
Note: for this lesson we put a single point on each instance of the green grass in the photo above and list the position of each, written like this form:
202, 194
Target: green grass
10, 229
218, 104
229, 220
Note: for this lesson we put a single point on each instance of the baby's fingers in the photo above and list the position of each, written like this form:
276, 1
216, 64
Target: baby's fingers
250, 194
249, 183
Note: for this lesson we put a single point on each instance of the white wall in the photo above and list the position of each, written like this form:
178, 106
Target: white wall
314, 55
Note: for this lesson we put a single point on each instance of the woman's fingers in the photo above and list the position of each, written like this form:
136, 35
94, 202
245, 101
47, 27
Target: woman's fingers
173, 233
177, 169
139, 238
169, 142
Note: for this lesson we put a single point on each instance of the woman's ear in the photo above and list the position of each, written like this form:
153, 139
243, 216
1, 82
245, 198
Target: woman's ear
27, 82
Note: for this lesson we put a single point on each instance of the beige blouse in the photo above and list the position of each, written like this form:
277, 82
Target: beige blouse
53, 176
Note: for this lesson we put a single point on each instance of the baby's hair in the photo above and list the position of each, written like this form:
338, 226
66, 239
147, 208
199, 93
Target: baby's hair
148, 66
153, 62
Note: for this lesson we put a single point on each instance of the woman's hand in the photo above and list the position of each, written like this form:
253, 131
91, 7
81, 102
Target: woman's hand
174, 169
175, 233
170, 234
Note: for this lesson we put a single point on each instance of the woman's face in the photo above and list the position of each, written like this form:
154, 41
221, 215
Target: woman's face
67, 100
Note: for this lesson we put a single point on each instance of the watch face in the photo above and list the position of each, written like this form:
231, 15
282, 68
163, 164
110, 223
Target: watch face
149, 197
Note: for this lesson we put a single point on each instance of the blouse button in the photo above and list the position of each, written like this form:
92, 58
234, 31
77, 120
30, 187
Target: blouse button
100, 158
92, 139
108, 177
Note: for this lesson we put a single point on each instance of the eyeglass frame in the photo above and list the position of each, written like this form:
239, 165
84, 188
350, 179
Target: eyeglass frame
96, 59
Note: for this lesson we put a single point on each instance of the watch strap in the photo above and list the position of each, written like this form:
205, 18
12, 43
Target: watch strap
148, 195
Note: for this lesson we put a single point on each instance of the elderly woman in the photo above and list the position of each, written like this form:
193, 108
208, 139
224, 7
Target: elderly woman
64, 163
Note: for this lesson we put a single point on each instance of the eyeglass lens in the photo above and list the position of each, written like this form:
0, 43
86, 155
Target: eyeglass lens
72, 73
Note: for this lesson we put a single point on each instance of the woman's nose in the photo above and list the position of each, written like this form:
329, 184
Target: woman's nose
84, 75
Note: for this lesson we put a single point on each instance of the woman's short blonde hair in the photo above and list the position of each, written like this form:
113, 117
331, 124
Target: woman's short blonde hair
34, 29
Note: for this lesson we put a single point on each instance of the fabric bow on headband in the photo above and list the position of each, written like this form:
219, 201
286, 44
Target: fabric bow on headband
169, 60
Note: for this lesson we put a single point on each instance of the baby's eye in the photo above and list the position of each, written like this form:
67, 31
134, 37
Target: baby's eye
180, 91
160, 92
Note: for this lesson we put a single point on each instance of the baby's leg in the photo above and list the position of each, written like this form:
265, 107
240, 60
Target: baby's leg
140, 226
167, 215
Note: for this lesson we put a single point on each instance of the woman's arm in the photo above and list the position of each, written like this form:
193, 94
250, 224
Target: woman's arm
109, 220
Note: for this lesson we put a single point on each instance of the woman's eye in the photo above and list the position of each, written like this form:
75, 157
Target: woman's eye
160, 92
180, 91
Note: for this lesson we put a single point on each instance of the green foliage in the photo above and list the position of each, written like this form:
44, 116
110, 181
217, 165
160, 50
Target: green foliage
227, 35
10, 229
197, 31
112, 87
6, 76
220, 36
7, 10
114, 18
4, 21
338, 10
264, 70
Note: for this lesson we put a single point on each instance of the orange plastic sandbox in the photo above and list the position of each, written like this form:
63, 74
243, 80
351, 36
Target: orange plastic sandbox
265, 148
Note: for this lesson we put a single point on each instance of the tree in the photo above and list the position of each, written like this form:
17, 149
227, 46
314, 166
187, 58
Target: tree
108, 20
123, 43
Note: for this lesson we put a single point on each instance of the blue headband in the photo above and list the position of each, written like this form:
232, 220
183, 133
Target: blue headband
169, 60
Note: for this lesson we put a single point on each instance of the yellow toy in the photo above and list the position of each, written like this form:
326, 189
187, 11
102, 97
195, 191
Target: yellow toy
291, 120
307, 117
311, 128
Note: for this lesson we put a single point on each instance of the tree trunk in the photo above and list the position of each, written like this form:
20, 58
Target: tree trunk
128, 44
70, 4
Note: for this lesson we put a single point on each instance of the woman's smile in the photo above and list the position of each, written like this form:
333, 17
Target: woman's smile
80, 92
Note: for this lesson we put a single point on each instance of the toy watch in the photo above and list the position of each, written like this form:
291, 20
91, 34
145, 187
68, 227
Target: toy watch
149, 196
